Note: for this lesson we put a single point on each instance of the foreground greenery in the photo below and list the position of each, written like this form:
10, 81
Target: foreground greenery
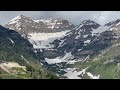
30, 73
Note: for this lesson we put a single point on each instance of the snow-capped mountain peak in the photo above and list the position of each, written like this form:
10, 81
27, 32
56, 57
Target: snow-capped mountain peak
24, 24
19, 17
89, 22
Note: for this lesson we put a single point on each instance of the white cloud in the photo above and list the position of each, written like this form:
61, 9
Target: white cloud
76, 17
107, 16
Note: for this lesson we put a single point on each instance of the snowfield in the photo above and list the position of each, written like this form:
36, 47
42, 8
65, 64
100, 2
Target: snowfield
87, 41
43, 40
46, 36
100, 29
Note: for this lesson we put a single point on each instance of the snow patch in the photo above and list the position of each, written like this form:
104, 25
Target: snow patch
78, 27
11, 41
113, 29
87, 41
72, 74
85, 36
118, 24
61, 43
24, 58
92, 76
16, 19
77, 37
66, 58
100, 29
45, 36
79, 50
73, 61
59, 23
35, 51
56, 27
51, 27
54, 61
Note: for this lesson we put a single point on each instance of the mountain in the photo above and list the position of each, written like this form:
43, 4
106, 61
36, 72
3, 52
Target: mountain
26, 25
102, 56
42, 32
80, 46
79, 37
18, 58
86, 51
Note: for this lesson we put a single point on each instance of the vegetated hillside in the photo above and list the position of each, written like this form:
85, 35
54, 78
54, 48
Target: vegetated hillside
14, 48
106, 64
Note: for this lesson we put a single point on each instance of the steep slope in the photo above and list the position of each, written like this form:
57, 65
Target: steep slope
38, 32
13, 44
14, 48
92, 39
104, 63
25, 25
79, 37
112, 23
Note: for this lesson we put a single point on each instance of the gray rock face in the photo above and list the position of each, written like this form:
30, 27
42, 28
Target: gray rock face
25, 25
77, 38
82, 41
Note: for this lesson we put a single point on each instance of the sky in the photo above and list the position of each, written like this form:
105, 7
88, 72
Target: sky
75, 17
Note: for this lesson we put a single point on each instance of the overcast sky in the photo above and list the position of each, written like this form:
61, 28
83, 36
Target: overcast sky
75, 17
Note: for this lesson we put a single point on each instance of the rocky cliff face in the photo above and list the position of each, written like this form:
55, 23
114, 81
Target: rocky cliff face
26, 25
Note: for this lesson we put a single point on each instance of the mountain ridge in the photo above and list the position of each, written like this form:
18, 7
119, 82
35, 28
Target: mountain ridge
26, 24
74, 52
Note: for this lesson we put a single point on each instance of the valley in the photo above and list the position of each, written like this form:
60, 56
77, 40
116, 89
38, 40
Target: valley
56, 48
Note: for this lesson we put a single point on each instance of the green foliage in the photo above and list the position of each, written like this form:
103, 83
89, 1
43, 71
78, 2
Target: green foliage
30, 68
10, 52
12, 76
105, 65
40, 73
